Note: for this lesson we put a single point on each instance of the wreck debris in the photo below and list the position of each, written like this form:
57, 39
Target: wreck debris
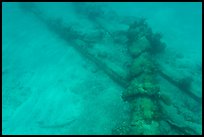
142, 90
181, 87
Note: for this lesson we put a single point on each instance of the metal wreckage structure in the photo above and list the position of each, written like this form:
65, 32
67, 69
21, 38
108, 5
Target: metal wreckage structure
140, 82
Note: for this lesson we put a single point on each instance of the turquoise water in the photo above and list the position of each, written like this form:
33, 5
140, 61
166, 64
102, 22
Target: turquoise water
51, 87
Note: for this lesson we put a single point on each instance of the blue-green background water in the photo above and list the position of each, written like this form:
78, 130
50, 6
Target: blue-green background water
48, 88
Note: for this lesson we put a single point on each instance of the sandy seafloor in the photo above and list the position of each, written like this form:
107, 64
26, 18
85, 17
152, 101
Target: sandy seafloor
48, 88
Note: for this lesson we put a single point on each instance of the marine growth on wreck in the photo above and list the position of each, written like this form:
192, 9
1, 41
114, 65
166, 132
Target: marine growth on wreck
134, 61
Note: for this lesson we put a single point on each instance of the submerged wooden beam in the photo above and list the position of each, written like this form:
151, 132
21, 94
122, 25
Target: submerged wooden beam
109, 71
176, 83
